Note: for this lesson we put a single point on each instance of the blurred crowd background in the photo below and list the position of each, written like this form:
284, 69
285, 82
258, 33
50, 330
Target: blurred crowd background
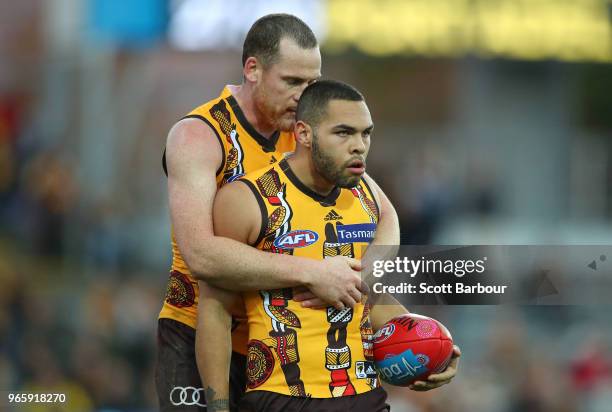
493, 126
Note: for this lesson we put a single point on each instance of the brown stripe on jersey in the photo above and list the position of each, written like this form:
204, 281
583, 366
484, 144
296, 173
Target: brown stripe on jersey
262, 210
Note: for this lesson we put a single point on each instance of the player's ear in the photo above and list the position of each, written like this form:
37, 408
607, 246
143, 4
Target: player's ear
252, 69
303, 133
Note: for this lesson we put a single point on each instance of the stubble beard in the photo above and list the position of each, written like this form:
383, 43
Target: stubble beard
267, 112
325, 166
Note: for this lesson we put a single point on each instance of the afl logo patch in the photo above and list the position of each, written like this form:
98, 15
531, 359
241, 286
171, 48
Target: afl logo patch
384, 333
296, 239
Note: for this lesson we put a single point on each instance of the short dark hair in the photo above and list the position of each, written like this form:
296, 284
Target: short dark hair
314, 100
263, 39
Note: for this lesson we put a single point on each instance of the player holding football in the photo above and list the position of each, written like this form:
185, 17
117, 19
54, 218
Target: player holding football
245, 128
317, 203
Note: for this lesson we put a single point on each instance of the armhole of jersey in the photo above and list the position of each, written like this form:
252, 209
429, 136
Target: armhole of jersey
262, 210
373, 198
205, 120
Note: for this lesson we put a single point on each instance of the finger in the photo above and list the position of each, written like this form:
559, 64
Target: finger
299, 289
355, 294
314, 303
322, 305
426, 386
339, 305
355, 264
447, 375
349, 302
454, 362
307, 295
422, 387
363, 288
456, 351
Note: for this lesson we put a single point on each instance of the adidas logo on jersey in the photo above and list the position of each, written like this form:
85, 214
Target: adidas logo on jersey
333, 215
273, 160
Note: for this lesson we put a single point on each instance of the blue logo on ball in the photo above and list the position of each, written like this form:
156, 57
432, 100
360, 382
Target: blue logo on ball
403, 368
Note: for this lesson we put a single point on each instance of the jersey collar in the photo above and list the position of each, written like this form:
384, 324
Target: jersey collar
329, 200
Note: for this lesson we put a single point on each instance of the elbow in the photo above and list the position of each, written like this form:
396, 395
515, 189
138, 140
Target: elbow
202, 271
201, 274
200, 266
202, 256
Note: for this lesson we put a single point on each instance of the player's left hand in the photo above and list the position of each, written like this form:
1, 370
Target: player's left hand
439, 379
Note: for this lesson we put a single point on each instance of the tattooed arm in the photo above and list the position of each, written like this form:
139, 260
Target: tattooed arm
215, 404
236, 216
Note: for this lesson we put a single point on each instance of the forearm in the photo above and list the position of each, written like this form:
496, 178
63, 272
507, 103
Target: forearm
213, 349
384, 306
386, 241
385, 309
228, 264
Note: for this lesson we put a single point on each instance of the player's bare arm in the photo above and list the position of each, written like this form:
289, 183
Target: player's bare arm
386, 306
387, 230
214, 345
193, 155
235, 216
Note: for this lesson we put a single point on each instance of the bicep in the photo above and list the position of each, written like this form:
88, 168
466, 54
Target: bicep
236, 213
193, 155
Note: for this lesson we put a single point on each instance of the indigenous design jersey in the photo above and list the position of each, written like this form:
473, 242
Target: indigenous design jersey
244, 150
298, 351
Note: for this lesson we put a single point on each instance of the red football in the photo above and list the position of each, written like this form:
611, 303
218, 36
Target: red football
411, 347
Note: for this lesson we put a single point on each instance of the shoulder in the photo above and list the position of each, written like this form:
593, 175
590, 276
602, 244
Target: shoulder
192, 140
374, 188
237, 211
191, 131
240, 195
236, 191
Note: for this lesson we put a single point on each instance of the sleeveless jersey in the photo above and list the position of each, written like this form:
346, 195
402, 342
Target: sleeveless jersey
244, 150
299, 351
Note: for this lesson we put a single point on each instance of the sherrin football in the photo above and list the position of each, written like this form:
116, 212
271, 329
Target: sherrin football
411, 347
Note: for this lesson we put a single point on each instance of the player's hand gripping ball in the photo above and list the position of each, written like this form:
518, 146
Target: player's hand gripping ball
411, 347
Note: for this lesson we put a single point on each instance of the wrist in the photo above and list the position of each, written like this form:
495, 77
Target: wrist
309, 272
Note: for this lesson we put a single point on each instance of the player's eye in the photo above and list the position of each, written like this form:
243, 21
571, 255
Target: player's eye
342, 133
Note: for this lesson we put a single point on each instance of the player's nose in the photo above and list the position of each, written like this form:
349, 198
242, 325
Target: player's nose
358, 145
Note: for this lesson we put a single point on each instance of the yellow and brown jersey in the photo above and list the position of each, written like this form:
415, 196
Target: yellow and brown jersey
293, 350
244, 150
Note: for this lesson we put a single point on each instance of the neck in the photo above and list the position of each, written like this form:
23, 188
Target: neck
302, 166
244, 96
